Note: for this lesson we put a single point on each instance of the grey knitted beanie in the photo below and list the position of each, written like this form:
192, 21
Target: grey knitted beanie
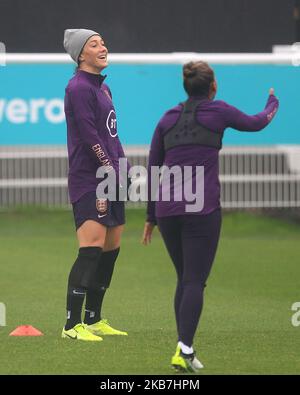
75, 39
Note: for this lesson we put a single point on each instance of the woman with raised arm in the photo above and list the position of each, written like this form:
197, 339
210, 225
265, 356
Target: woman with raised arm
190, 135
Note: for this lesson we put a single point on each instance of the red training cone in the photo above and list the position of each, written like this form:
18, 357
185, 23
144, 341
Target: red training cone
26, 330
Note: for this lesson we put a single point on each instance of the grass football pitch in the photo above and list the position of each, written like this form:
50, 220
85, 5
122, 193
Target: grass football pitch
245, 326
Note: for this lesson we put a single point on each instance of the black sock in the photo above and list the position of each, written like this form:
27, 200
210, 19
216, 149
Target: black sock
95, 296
93, 306
75, 299
80, 280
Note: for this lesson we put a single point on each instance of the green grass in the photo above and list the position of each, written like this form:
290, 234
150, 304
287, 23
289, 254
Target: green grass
245, 326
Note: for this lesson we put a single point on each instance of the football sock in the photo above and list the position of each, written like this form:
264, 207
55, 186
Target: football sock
95, 296
185, 349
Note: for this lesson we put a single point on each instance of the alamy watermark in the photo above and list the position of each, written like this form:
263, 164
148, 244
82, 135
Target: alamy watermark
2, 54
163, 183
2, 314
296, 316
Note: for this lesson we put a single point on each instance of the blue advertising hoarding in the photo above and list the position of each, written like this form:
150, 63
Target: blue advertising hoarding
31, 100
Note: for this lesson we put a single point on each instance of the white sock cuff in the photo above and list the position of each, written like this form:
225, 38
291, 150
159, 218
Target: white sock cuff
185, 349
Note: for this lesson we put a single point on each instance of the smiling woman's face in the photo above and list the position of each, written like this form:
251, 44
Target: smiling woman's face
93, 57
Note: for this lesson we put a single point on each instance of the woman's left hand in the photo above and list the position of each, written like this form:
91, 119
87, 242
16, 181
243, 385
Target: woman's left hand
148, 229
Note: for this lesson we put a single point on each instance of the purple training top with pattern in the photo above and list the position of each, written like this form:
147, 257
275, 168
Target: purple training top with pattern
215, 115
91, 132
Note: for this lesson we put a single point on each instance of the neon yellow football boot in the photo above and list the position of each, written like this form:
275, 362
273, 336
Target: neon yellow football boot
103, 328
185, 363
80, 332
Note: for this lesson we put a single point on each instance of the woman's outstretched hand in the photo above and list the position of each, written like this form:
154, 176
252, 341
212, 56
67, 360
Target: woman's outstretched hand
148, 229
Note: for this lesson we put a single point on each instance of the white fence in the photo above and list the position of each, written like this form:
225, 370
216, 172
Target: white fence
251, 177
290, 58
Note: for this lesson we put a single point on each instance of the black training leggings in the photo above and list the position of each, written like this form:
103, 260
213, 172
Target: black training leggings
191, 241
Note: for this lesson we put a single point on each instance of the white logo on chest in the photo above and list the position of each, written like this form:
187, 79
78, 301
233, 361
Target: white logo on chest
111, 123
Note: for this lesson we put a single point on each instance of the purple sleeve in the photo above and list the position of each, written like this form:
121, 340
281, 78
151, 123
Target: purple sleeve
108, 90
83, 105
124, 172
121, 153
156, 158
236, 119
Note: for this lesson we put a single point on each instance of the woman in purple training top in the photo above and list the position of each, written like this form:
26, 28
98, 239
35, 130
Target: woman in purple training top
190, 134
93, 143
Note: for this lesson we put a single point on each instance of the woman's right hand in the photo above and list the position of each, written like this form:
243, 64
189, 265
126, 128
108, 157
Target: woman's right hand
147, 234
